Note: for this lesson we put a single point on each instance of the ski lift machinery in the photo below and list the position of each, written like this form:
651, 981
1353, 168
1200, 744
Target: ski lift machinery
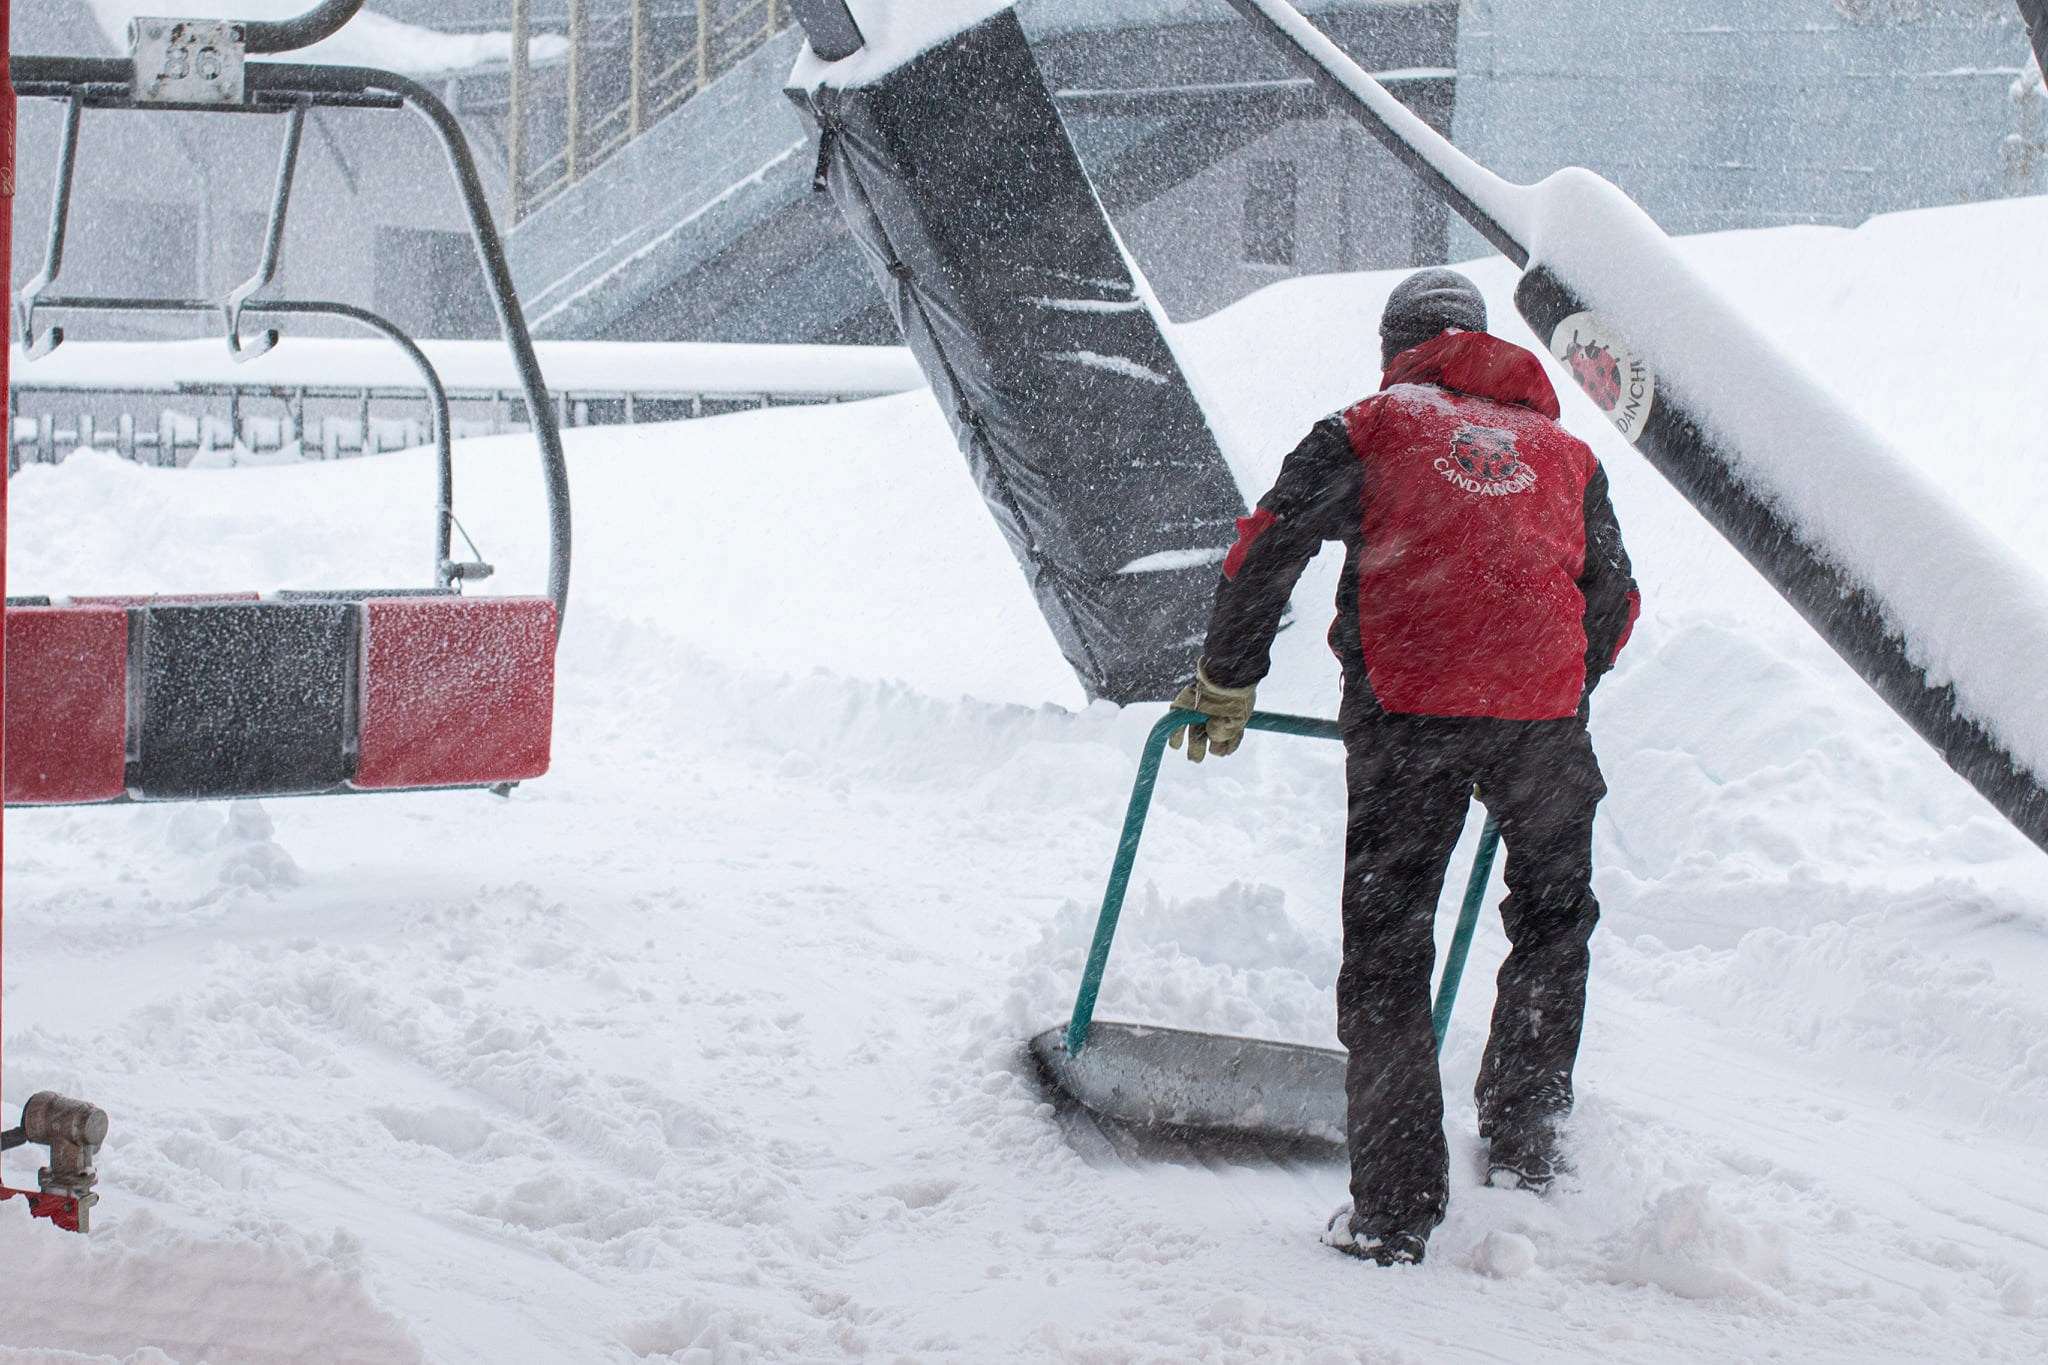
1139, 1082
301, 693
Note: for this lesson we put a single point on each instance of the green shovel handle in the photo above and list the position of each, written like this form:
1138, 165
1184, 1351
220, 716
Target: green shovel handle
1309, 727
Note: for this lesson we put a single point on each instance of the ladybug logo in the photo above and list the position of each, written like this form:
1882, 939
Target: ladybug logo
1484, 460
1596, 370
1618, 380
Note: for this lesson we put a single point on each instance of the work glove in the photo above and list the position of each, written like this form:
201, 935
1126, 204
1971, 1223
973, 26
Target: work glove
1228, 708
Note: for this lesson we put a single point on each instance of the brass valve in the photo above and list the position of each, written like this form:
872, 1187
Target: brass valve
73, 1131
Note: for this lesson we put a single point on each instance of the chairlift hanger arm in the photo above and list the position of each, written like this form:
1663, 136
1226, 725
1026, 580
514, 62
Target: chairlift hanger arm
490, 248
35, 345
278, 87
446, 570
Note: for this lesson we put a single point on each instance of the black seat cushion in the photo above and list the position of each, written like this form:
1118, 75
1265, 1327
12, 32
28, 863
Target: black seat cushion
243, 699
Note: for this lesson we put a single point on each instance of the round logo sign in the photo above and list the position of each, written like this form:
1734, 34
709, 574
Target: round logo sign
1617, 379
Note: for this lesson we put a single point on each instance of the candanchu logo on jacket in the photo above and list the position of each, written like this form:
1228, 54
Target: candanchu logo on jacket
1483, 460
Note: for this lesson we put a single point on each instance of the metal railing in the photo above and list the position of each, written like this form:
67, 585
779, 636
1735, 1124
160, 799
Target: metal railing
169, 427
667, 50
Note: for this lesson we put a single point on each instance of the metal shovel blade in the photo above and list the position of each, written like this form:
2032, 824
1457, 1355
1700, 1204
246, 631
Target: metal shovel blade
1201, 1085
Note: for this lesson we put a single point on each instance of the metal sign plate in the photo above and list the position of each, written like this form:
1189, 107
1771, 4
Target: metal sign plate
187, 61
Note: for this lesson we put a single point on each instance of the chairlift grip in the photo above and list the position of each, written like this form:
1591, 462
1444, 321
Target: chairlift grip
287, 35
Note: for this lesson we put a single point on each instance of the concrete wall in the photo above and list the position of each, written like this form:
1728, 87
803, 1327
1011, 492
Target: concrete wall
1746, 113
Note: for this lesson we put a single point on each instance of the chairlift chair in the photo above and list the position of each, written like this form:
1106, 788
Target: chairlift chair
159, 698
174, 698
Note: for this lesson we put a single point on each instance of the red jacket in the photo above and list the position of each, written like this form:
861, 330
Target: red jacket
1485, 574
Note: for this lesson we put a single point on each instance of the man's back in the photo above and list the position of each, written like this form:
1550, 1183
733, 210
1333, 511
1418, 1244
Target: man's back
1485, 574
1472, 535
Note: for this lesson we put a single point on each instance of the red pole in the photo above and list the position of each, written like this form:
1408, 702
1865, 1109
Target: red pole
72, 1131
6, 338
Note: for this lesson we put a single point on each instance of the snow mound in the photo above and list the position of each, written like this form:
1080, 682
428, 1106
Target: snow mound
1687, 1245
141, 1292
1505, 1255
239, 836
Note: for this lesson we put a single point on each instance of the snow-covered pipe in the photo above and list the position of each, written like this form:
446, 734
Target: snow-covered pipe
1947, 626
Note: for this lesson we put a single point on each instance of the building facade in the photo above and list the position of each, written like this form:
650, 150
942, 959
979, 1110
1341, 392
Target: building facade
1223, 169
1718, 114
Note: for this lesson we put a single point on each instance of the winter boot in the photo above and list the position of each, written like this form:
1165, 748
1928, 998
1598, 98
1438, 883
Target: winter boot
1530, 1158
1397, 1247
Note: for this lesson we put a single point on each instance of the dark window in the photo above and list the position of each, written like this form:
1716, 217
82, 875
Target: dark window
429, 283
1269, 213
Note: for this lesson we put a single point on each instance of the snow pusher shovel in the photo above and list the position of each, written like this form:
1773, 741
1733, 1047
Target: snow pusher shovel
1211, 1087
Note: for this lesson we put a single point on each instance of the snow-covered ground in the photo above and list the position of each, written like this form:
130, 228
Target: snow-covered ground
707, 1047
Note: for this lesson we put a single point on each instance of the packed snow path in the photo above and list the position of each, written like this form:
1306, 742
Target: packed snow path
708, 1046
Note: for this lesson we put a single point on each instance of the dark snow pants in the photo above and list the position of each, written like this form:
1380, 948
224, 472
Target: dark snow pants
1410, 779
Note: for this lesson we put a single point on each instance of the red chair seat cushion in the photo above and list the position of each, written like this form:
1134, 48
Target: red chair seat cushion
456, 691
67, 704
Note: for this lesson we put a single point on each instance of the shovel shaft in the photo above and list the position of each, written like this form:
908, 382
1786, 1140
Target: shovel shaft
1468, 920
1310, 727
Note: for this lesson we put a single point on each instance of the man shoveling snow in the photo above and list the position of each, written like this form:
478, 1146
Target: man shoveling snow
1485, 592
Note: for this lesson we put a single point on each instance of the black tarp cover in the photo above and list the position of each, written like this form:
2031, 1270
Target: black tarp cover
2035, 12
957, 178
